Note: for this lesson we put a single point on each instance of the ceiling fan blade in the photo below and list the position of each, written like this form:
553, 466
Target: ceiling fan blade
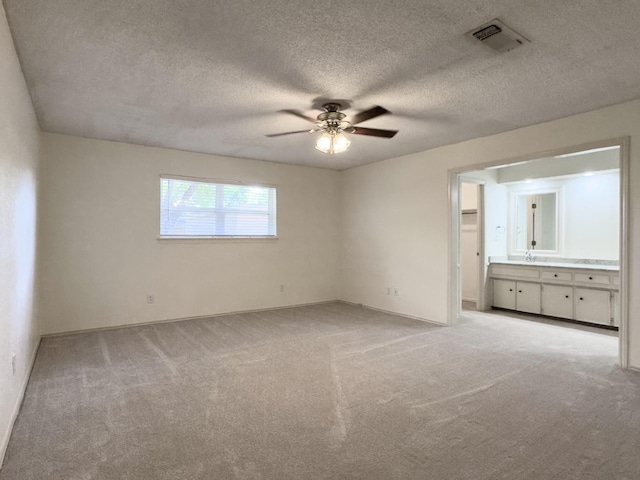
368, 114
300, 115
288, 133
374, 132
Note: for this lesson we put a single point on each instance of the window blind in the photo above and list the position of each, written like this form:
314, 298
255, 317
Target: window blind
201, 208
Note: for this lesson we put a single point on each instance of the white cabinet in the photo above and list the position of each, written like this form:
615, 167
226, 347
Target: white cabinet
593, 306
504, 294
555, 275
592, 278
528, 297
557, 301
585, 295
616, 309
521, 296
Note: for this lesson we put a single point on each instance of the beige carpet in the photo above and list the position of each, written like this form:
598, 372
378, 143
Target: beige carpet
329, 392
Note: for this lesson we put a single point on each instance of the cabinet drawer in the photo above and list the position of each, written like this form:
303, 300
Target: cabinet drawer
516, 272
592, 278
556, 275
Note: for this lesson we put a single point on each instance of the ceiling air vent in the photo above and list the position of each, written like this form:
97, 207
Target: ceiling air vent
497, 36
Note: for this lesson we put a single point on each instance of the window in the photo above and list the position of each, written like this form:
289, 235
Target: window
212, 208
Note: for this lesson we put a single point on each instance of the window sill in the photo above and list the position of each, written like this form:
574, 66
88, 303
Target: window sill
213, 239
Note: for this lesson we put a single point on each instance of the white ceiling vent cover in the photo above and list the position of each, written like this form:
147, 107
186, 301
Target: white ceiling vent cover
497, 36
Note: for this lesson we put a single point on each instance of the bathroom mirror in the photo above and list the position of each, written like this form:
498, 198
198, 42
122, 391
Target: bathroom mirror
536, 221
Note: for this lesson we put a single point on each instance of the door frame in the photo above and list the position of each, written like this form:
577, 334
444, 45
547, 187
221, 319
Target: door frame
455, 176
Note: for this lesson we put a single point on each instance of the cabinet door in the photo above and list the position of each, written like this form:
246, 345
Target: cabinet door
557, 301
616, 309
593, 306
504, 294
528, 297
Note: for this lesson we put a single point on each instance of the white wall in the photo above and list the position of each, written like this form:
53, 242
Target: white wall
468, 196
543, 168
18, 180
396, 219
100, 223
591, 217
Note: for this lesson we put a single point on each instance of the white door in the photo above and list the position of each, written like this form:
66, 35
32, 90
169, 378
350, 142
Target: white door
616, 309
504, 294
557, 301
593, 306
528, 297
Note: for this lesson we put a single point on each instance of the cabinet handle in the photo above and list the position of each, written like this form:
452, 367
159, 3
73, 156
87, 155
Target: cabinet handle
511, 289
519, 291
567, 296
590, 278
555, 275
581, 298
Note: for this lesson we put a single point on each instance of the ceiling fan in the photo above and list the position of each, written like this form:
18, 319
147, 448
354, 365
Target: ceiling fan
333, 125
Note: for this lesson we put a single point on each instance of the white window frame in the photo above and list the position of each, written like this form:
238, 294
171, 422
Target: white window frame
272, 218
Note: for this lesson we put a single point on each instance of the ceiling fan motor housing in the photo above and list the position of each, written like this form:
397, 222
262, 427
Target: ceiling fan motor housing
332, 121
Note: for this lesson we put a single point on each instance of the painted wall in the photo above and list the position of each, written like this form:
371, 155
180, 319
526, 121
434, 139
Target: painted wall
100, 226
19, 140
469, 196
396, 220
592, 217
545, 168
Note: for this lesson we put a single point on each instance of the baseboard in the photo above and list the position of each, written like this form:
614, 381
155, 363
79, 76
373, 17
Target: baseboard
184, 319
16, 409
412, 317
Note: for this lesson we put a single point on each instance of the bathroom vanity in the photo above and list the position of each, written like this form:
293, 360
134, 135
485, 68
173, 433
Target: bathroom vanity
581, 292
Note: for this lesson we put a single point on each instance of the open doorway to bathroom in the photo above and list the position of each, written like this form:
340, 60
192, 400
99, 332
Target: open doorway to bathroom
553, 243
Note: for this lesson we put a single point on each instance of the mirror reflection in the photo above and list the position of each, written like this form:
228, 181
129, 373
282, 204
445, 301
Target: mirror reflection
536, 221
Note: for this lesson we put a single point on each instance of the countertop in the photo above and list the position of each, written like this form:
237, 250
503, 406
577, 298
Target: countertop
581, 266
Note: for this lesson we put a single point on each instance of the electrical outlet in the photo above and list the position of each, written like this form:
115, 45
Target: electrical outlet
395, 292
151, 298
14, 361
281, 288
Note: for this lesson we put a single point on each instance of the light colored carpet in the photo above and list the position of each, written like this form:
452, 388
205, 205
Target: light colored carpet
330, 391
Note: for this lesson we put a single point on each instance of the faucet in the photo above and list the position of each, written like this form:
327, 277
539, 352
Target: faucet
528, 256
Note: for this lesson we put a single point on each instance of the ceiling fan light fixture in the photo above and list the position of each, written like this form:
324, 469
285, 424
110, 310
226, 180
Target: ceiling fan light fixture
332, 143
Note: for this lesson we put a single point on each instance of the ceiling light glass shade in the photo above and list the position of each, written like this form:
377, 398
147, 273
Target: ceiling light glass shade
332, 143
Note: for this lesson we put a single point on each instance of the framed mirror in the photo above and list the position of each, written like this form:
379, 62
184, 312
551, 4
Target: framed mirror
535, 221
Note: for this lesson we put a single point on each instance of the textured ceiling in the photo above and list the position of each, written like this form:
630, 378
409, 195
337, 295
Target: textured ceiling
211, 76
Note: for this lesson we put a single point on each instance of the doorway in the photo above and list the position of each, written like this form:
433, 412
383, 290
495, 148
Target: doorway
505, 178
471, 195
